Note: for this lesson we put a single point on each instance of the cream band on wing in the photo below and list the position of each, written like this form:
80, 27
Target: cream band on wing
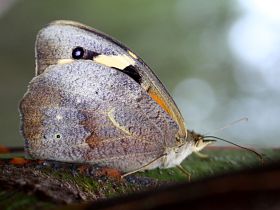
116, 61
65, 61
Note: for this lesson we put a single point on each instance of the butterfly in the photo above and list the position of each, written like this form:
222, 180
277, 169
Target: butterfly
93, 100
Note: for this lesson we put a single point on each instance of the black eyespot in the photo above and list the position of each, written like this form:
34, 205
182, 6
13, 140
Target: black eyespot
133, 73
78, 53
57, 136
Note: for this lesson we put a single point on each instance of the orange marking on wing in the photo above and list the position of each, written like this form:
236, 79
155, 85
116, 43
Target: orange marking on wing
160, 101
18, 161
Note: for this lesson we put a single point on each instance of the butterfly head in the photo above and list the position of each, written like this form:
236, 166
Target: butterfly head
198, 140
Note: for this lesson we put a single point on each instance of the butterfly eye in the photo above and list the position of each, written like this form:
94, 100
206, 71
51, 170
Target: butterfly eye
78, 53
57, 136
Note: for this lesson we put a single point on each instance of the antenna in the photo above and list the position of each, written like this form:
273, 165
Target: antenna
243, 119
230, 142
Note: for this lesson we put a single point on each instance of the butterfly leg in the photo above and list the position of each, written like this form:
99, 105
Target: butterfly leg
143, 167
188, 174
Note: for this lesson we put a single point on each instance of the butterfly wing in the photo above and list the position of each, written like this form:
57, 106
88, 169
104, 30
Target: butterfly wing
87, 112
56, 42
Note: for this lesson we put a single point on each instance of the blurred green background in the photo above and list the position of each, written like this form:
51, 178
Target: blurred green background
217, 67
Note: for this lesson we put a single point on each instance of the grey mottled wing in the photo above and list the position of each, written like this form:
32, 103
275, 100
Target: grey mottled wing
87, 112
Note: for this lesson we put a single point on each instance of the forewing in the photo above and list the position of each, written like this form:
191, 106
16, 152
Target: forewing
56, 42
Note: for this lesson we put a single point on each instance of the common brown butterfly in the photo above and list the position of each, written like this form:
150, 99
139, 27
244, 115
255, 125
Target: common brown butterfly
93, 100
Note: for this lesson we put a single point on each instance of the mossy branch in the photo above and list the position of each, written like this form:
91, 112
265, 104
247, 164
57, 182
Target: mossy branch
46, 183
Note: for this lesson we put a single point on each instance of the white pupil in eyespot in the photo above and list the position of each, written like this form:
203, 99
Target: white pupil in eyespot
58, 117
